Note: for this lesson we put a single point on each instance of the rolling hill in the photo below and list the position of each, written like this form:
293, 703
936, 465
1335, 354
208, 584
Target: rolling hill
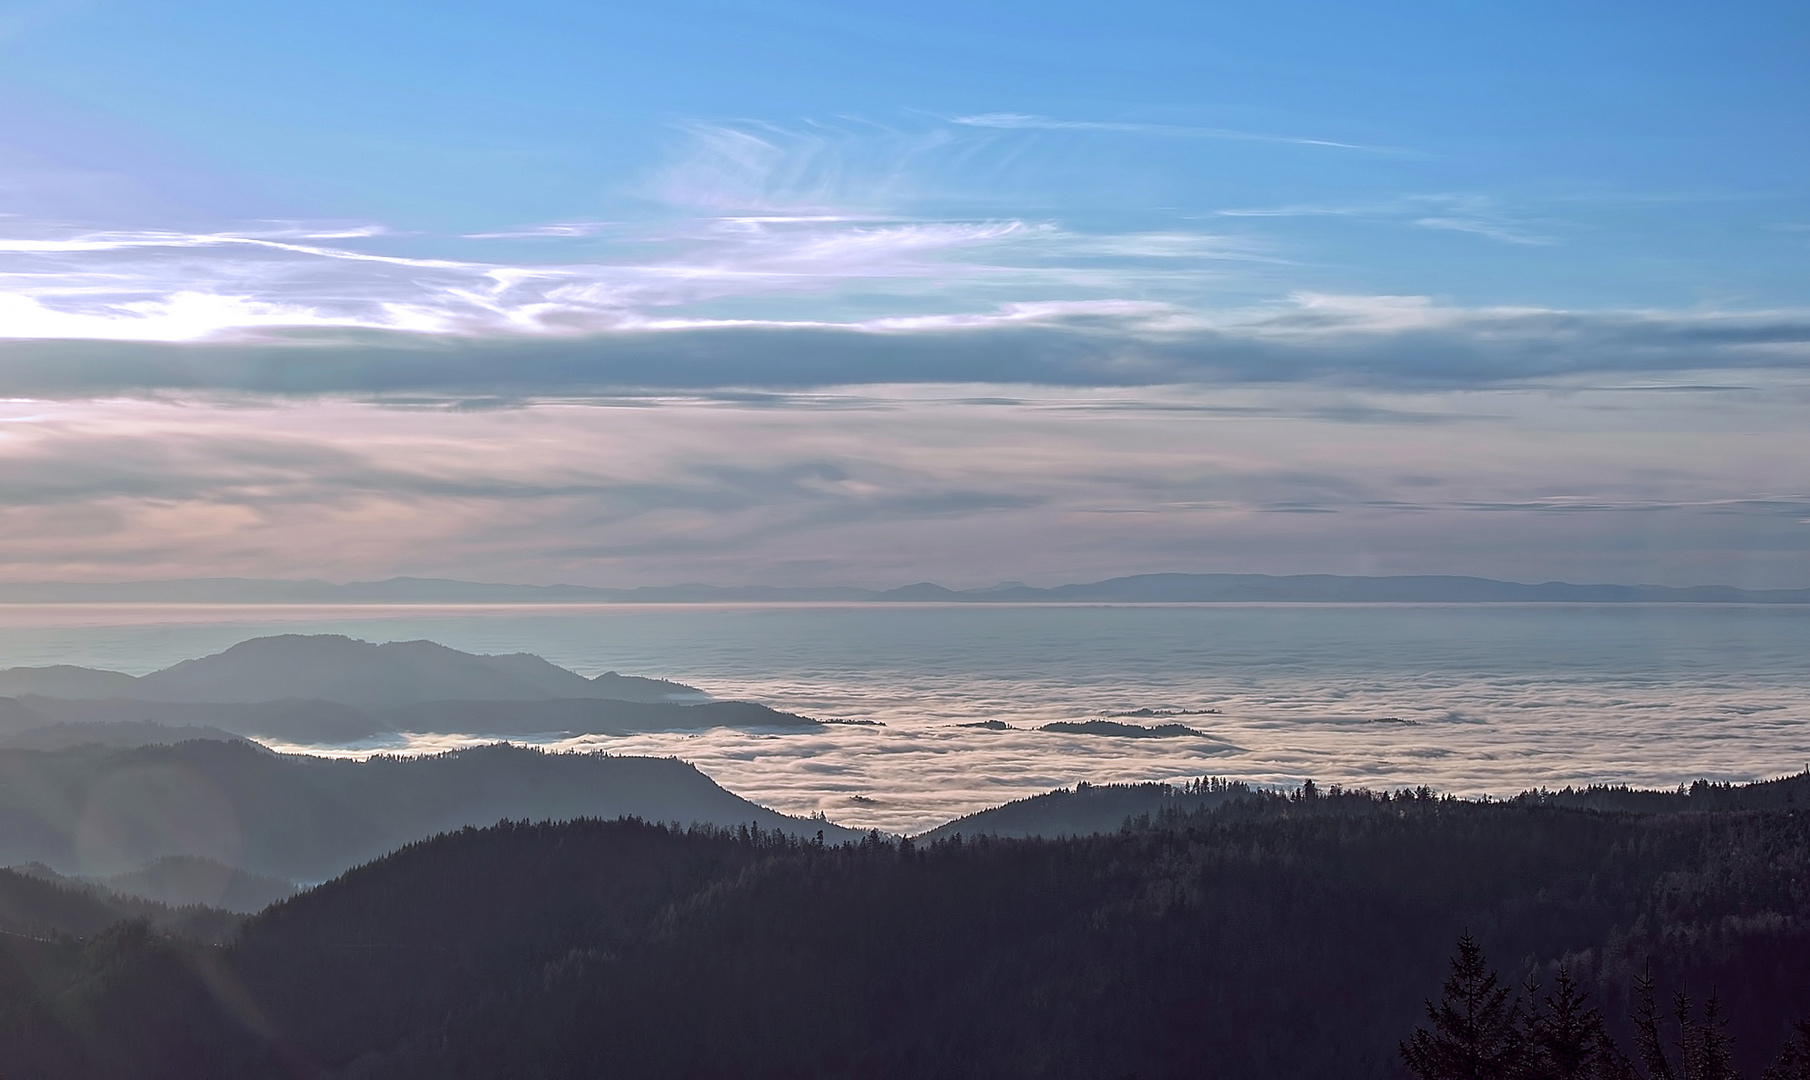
100, 811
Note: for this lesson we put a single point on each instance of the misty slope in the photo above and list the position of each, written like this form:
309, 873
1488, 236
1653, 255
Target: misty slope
291, 720
180, 880
36, 902
66, 681
1267, 936
103, 811
327, 722
334, 668
583, 717
120, 733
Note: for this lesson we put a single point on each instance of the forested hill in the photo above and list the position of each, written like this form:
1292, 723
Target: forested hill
1268, 935
1089, 808
1095, 808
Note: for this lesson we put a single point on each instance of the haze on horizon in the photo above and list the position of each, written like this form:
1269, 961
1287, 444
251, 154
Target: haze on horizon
789, 292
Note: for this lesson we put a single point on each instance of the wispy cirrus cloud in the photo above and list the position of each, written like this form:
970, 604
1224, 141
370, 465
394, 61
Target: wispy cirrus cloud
169, 286
60, 282
1482, 227
1476, 214
565, 230
1011, 121
786, 264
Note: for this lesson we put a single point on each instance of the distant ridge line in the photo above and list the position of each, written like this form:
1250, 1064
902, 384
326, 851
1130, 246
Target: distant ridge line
1135, 589
1333, 588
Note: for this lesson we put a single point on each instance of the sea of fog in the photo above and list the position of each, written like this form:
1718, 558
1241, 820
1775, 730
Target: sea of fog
1467, 699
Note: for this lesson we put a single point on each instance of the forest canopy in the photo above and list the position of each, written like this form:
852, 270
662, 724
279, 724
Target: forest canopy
1233, 933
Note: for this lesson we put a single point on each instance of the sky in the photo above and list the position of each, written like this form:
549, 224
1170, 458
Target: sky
803, 293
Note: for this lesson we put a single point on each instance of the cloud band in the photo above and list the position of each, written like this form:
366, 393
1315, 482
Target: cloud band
1357, 341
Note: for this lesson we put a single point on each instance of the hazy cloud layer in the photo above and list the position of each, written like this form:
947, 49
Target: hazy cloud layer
1379, 341
847, 352
894, 484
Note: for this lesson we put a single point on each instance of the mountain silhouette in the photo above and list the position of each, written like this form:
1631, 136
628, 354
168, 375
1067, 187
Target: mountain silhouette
332, 667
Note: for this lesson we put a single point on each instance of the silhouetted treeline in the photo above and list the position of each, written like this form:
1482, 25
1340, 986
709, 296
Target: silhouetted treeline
1267, 935
1089, 808
1483, 1029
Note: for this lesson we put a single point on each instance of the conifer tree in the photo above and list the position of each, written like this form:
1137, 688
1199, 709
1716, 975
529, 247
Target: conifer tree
1703, 1050
1711, 1039
1474, 1032
1649, 1040
1564, 1038
1793, 1062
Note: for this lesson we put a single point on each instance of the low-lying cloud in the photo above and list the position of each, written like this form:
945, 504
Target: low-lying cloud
1357, 341
890, 485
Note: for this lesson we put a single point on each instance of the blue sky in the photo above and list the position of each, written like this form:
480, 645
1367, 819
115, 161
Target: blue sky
1438, 242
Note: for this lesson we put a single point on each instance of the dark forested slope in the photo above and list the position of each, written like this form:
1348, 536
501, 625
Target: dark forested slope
1264, 936
1089, 808
1093, 808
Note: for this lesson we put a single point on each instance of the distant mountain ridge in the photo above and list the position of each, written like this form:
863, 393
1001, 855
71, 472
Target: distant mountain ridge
1174, 588
331, 667
1338, 589
326, 688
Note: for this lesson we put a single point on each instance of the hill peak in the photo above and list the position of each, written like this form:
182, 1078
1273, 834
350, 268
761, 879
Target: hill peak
346, 670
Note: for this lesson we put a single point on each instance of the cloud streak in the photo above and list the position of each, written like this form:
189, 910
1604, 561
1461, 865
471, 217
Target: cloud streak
1380, 341
1010, 121
784, 268
907, 483
168, 286
1475, 214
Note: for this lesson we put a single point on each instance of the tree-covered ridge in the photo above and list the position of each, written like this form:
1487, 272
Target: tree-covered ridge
1267, 935
1091, 808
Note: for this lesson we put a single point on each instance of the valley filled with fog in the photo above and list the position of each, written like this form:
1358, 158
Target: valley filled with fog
1471, 700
